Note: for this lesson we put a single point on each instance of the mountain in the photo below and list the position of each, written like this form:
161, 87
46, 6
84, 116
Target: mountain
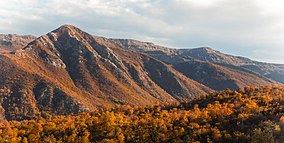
205, 65
11, 42
273, 71
69, 71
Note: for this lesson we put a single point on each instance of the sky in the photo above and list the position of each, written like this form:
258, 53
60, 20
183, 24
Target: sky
250, 28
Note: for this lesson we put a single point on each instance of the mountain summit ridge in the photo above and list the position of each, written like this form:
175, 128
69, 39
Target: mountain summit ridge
208, 54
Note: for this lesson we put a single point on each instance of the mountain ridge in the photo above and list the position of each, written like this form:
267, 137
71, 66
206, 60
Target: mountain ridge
69, 71
11, 42
207, 54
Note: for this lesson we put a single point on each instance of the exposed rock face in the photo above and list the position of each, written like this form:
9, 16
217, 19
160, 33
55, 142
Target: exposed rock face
12, 42
49, 97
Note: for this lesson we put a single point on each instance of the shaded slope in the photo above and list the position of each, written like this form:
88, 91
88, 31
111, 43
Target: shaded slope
218, 77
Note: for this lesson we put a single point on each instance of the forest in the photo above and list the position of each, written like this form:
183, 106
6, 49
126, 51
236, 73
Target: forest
252, 114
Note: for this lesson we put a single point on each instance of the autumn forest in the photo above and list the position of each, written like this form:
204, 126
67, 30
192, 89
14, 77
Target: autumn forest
73, 87
248, 115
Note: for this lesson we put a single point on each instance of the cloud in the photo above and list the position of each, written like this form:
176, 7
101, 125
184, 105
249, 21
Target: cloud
243, 27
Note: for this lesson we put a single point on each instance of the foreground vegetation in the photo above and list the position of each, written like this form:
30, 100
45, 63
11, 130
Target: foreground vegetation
248, 115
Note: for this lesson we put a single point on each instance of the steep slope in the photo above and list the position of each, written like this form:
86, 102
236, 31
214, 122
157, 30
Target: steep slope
12, 42
69, 71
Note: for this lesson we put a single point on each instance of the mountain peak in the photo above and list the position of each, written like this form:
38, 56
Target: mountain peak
64, 37
67, 28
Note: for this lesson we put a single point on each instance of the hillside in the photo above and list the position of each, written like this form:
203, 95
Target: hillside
250, 115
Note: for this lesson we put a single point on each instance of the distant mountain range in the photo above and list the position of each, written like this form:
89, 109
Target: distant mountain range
12, 42
69, 71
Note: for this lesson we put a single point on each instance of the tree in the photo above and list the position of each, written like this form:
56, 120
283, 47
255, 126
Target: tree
262, 136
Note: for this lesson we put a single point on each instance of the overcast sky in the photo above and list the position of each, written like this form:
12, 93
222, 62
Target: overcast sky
251, 28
